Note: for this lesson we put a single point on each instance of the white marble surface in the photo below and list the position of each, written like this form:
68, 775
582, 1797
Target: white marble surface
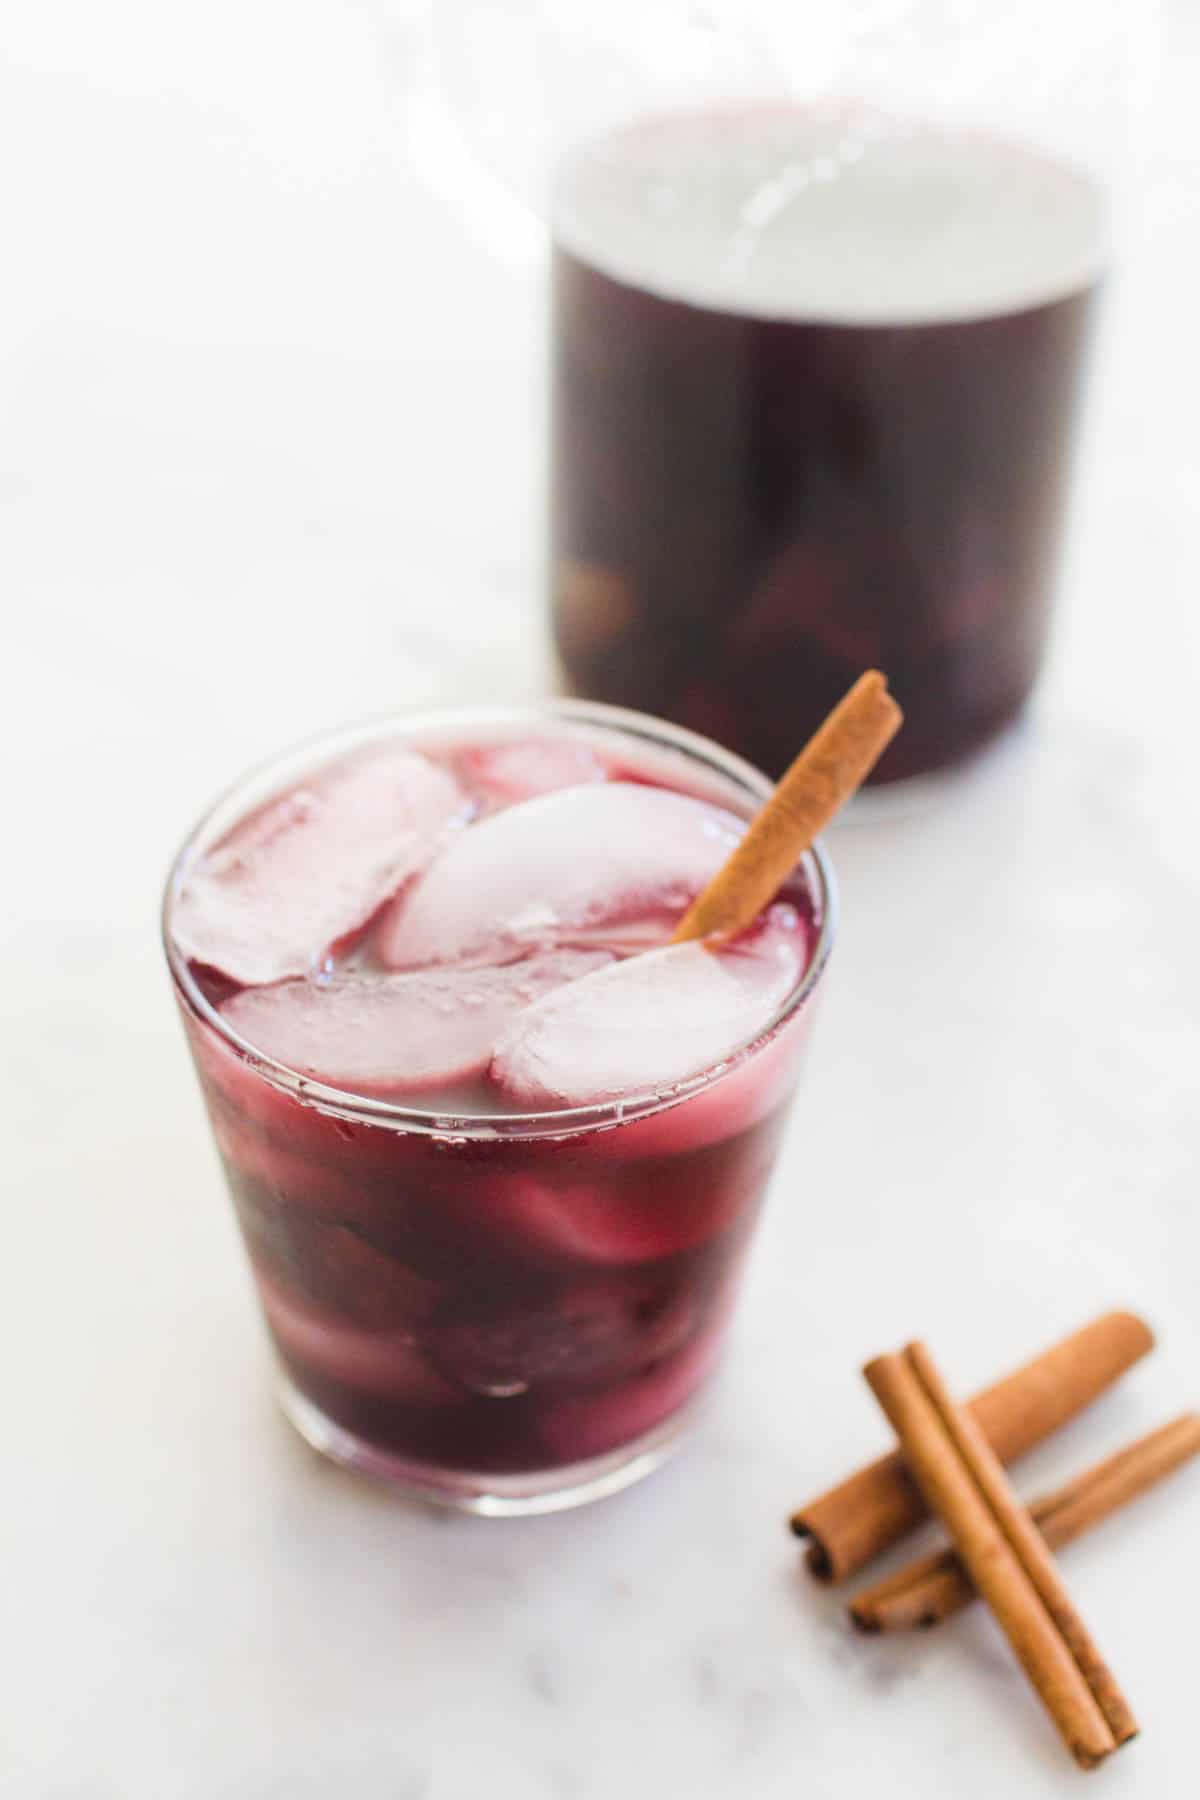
269, 459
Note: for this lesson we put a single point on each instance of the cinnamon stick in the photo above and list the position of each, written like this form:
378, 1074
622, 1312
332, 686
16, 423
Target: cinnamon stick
937, 1586
963, 1481
833, 764
877, 1506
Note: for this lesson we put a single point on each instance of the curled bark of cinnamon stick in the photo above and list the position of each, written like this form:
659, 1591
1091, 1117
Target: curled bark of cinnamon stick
937, 1586
873, 1509
963, 1481
833, 765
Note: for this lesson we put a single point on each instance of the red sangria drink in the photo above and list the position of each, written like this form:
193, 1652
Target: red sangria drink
814, 386
496, 1146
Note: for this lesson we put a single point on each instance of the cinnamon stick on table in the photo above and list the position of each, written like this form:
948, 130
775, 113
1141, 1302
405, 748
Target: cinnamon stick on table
873, 1509
937, 1586
963, 1481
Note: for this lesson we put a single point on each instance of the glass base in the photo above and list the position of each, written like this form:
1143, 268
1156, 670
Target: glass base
491, 1495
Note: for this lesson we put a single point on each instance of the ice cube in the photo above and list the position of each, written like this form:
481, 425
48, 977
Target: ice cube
561, 863
328, 1266
382, 1033
519, 769
387, 1363
313, 865
650, 1021
599, 1210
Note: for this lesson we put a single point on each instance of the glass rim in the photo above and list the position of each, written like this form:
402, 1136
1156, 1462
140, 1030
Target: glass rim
374, 1109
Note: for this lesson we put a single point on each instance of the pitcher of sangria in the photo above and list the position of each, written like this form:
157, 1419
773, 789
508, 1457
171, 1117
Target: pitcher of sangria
823, 279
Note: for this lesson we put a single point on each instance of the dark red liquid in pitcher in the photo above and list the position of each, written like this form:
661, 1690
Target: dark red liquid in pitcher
751, 505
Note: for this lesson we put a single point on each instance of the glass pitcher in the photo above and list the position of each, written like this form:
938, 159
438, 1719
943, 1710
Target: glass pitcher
823, 279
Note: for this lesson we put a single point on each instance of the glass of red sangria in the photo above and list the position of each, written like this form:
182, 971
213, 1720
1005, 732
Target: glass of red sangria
495, 1145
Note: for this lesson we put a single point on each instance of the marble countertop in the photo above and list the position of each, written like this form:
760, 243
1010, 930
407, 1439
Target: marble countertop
270, 460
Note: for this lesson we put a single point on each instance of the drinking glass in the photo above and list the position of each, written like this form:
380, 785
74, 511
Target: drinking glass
512, 1312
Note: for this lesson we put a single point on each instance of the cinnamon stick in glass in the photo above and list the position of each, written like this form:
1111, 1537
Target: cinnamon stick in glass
831, 767
877, 1506
963, 1482
937, 1586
